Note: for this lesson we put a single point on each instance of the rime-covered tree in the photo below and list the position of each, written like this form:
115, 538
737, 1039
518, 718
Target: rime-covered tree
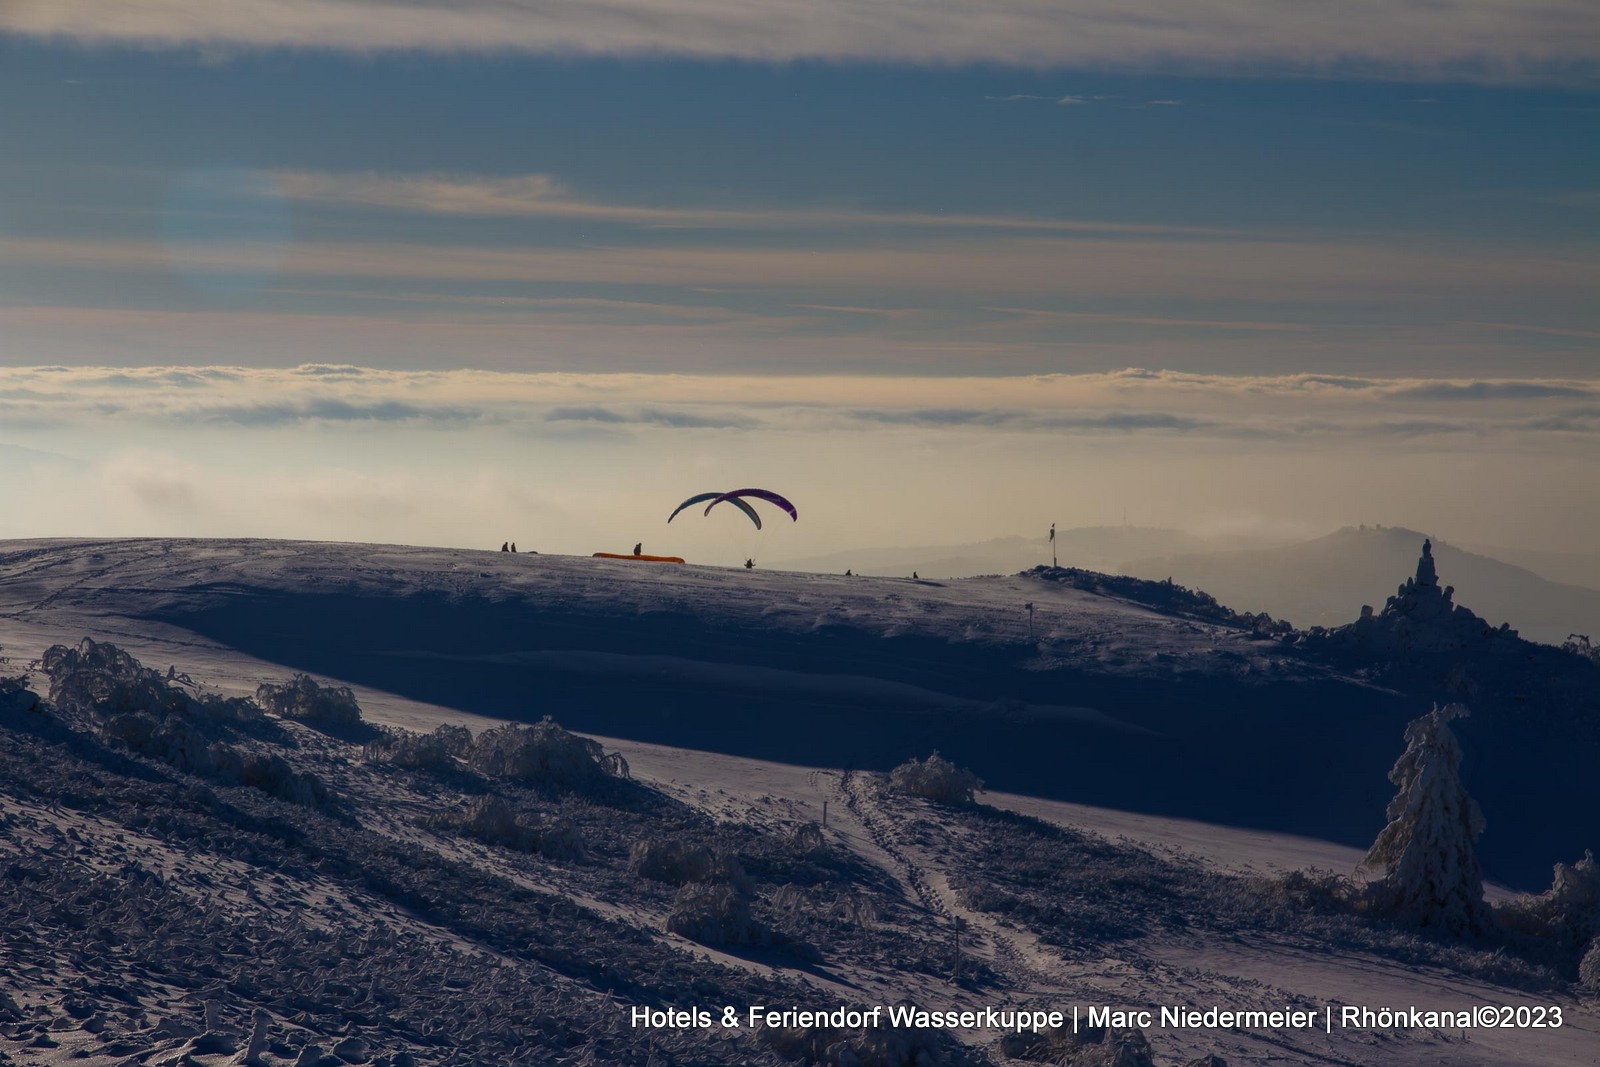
1427, 852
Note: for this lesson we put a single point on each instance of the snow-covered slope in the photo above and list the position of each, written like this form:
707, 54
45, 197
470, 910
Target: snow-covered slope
1144, 706
154, 913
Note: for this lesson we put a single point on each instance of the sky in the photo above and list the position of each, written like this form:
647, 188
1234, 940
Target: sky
406, 271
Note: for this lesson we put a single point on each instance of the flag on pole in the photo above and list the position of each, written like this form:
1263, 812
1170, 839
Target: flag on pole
1052, 533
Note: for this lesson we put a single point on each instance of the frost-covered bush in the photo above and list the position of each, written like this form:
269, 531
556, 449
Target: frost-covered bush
1566, 916
14, 692
169, 740
269, 773
807, 842
855, 909
936, 778
493, 821
1427, 852
436, 751
715, 914
562, 841
101, 680
235, 711
488, 819
683, 863
1580, 645
1087, 1047
871, 1046
1589, 968
302, 699
176, 742
543, 754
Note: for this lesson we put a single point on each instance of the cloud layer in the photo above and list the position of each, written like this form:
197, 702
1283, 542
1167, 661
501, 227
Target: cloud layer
1134, 401
1497, 39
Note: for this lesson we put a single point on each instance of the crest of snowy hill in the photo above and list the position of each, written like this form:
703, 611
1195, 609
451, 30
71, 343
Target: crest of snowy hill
1137, 695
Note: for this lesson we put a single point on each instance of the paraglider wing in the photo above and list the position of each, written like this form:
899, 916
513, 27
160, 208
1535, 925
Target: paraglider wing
692, 500
748, 510
742, 506
759, 494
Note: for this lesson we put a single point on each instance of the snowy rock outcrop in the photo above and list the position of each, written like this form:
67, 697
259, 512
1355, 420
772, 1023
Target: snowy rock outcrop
1423, 617
1427, 852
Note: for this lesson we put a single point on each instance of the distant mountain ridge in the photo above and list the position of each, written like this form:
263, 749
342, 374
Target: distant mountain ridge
1325, 582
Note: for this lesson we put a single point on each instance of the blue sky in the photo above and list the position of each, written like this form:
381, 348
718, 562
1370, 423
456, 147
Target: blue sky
1242, 191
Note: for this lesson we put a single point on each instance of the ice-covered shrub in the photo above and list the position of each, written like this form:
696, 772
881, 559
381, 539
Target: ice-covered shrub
488, 819
1589, 968
543, 754
436, 751
683, 863
101, 680
714, 913
1580, 645
14, 692
562, 841
493, 821
1566, 916
234, 711
176, 742
806, 841
870, 1046
855, 909
936, 778
301, 698
169, 740
1088, 1047
269, 773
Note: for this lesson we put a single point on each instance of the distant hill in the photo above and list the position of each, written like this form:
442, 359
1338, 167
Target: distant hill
1099, 548
1570, 568
1326, 581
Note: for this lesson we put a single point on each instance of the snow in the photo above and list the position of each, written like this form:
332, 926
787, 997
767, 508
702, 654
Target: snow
569, 635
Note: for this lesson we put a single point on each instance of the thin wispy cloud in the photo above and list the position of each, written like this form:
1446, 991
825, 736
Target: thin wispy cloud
1474, 39
1330, 271
543, 196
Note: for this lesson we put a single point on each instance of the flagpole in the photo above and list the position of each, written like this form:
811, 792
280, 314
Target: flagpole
1053, 563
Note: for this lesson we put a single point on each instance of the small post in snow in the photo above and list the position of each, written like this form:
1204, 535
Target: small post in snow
1029, 606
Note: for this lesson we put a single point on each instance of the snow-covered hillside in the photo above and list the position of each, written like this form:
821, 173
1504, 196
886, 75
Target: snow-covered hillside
1128, 695
179, 869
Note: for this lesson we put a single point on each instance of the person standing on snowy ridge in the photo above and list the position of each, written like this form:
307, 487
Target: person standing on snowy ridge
505, 546
638, 549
